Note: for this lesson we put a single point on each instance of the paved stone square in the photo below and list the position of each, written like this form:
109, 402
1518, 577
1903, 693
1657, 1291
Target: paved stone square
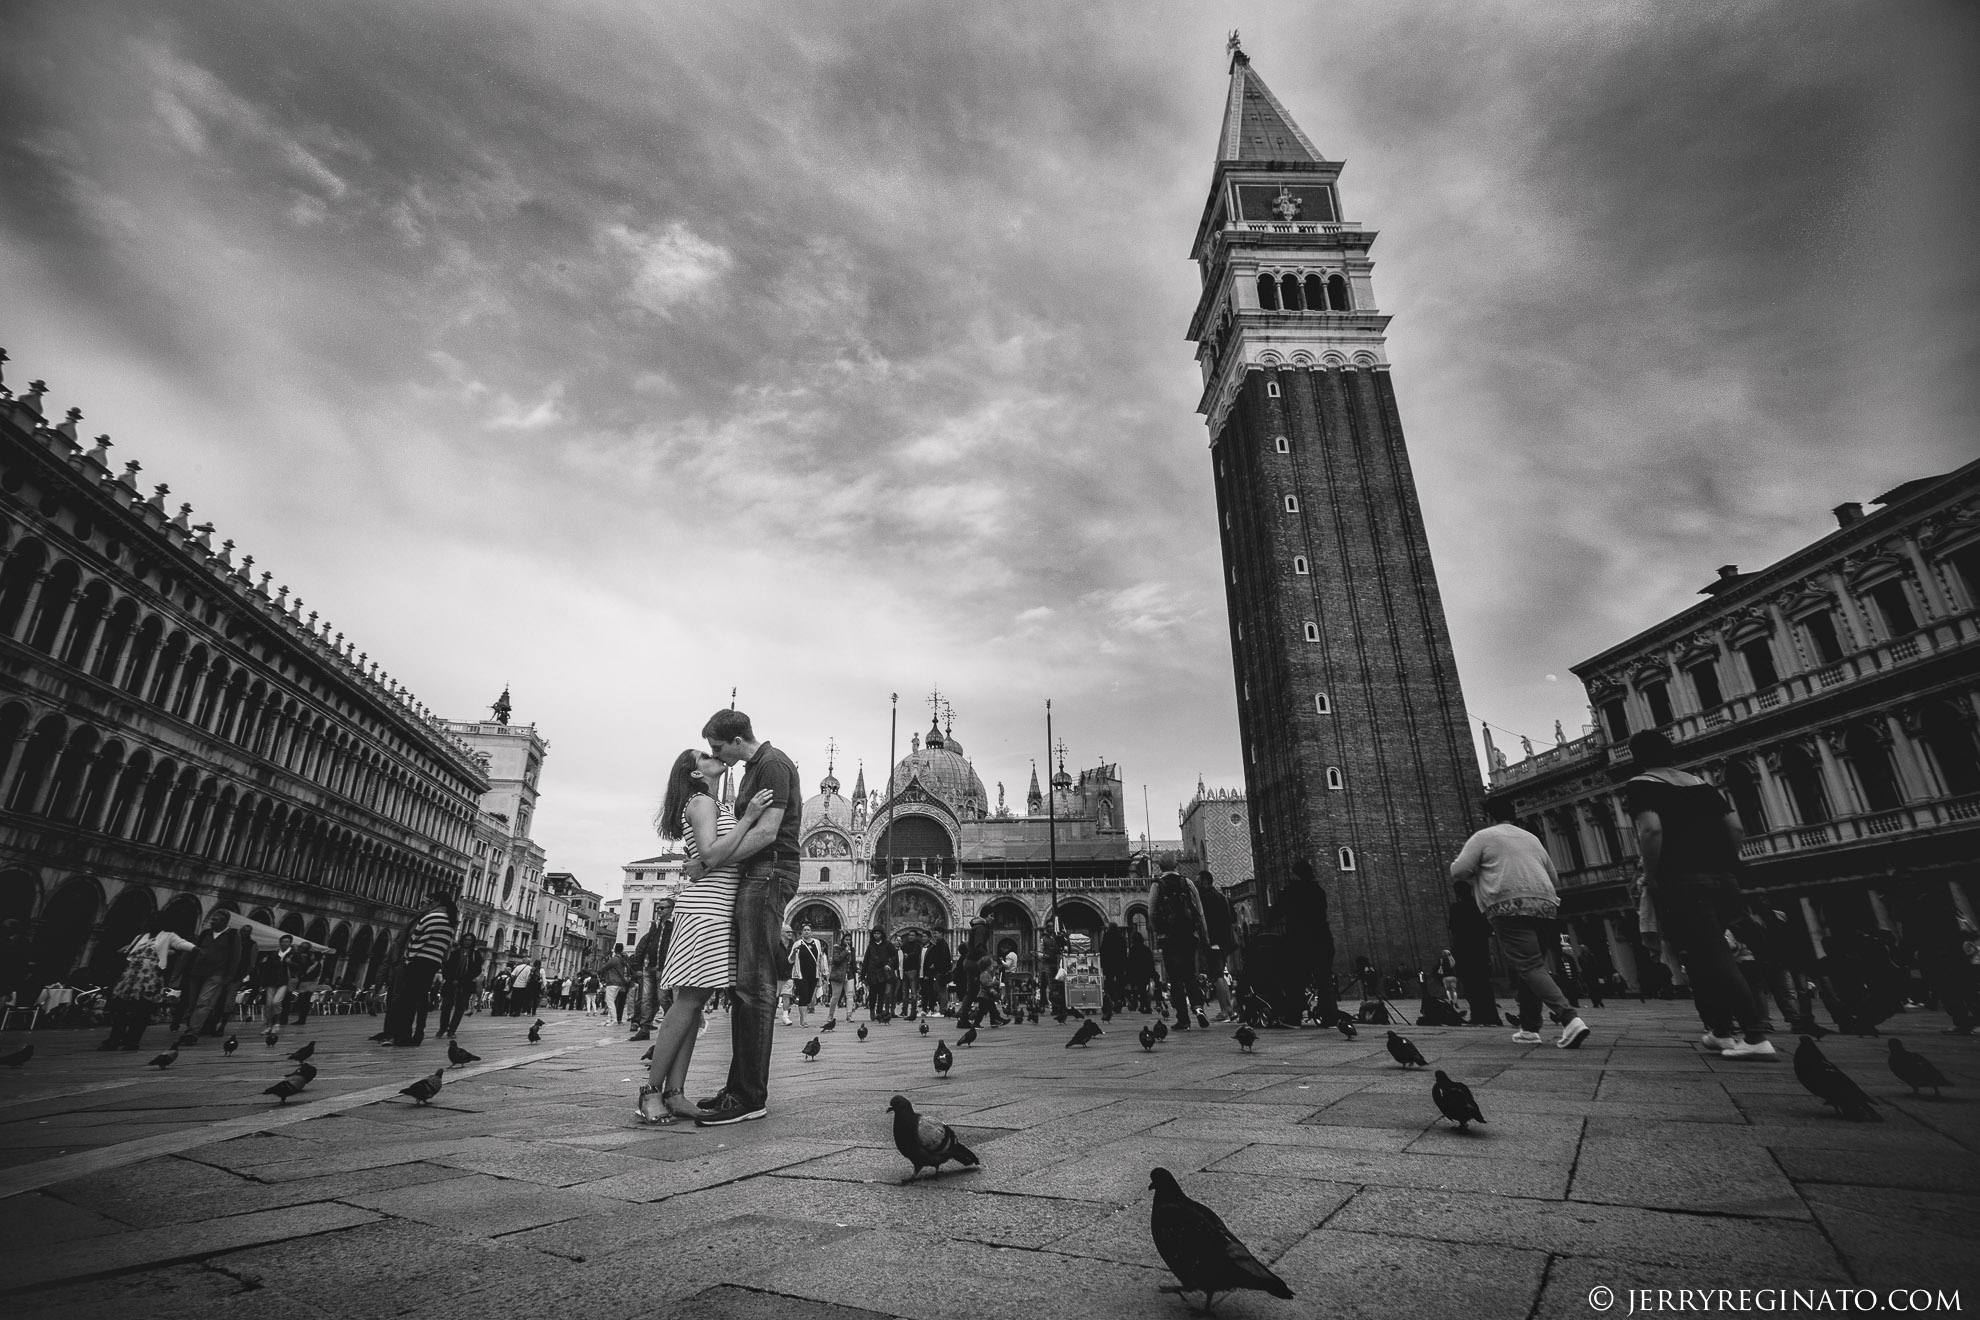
1636, 1162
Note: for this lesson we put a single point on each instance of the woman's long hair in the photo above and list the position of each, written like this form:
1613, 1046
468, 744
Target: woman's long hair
682, 784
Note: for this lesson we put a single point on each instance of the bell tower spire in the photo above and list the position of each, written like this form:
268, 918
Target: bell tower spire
1357, 753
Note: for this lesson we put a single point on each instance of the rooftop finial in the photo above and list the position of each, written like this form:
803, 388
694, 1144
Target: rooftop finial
67, 426
129, 478
502, 709
183, 519
1234, 47
101, 454
158, 494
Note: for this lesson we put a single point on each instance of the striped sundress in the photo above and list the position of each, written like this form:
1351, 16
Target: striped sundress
702, 949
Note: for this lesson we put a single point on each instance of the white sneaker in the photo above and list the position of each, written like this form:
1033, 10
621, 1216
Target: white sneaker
1751, 1049
1526, 1038
787, 1019
1720, 1043
1572, 1035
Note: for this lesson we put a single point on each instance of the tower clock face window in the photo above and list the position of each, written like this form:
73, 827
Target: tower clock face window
1272, 203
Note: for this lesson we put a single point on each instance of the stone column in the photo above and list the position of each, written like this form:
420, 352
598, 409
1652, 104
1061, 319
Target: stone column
1814, 927
1914, 776
1928, 581
1878, 910
1620, 953
1844, 800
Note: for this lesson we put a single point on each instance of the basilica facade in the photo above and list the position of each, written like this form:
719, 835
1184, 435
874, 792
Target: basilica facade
932, 855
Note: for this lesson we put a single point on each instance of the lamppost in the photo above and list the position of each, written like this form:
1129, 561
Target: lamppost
1051, 820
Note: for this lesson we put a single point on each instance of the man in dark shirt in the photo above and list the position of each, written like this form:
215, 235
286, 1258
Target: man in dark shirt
768, 855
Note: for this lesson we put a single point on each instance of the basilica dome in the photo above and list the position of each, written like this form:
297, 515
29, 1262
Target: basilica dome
938, 763
827, 807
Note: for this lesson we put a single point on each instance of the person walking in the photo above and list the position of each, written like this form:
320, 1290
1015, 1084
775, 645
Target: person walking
838, 975
138, 991
1515, 881
702, 953
1471, 952
648, 957
1223, 936
1183, 933
274, 974
937, 969
428, 943
768, 853
807, 970
457, 977
1113, 967
1689, 837
878, 971
210, 977
1140, 972
615, 974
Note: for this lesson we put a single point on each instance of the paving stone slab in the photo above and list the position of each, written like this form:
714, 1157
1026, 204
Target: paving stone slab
1268, 1215
1117, 1170
1498, 1177
177, 1292
149, 1248
1932, 1171
1719, 1179
1902, 1239
721, 1165
539, 1162
1340, 1274
730, 1302
1579, 1229
476, 1203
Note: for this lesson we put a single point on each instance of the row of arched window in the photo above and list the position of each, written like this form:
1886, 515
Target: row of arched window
78, 775
83, 624
1310, 293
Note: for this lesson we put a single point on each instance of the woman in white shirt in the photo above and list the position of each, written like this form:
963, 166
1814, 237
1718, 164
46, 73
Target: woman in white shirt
142, 986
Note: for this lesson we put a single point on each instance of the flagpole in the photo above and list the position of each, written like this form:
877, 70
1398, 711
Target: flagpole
1051, 817
887, 838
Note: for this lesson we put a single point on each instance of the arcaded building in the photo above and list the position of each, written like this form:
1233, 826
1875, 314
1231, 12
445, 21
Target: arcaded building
1357, 756
179, 732
1833, 695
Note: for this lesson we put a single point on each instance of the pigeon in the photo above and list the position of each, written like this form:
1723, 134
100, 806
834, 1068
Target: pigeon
862, 1031
1106, 1013
831, 1024
1830, 1084
459, 1057
283, 1089
302, 1055
19, 1056
426, 1087
924, 1026
967, 1038
231, 1044
926, 1143
1404, 1051
1245, 1038
1147, 1039
1455, 1101
1161, 1030
1034, 1016
1204, 1255
1087, 1031
811, 1048
1346, 1028
536, 1032
1915, 1070
945, 1058
165, 1060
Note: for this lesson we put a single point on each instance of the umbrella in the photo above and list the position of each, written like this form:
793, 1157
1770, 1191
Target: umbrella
266, 937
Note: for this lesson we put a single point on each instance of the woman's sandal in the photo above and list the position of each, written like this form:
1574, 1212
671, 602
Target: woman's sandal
665, 1118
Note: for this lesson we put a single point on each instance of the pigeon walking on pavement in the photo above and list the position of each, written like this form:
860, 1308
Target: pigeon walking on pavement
1245, 1038
426, 1087
1161, 1030
862, 1031
924, 1026
945, 1058
967, 1038
1403, 1050
283, 1090
926, 1143
1915, 1070
1346, 1028
1455, 1101
302, 1055
1199, 1250
831, 1024
1087, 1031
1830, 1084
536, 1032
229, 1045
19, 1056
811, 1048
165, 1060
1147, 1039
459, 1057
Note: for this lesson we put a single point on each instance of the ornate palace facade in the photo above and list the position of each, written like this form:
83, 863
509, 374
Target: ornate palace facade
175, 734
1834, 696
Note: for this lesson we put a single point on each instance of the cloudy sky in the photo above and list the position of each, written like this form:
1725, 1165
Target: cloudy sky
625, 353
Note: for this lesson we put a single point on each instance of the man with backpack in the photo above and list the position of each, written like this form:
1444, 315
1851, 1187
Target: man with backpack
1222, 930
1183, 932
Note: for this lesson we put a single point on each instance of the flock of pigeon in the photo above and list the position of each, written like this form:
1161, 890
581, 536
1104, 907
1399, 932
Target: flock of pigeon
1202, 1253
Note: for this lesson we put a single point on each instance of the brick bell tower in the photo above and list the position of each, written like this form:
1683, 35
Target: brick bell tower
1357, 753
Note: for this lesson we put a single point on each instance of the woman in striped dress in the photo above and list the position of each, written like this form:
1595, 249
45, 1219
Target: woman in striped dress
701, 951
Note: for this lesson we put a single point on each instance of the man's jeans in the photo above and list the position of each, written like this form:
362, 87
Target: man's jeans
1179, 961
408, 999
275, 997
453, 1004
766, 890
1525, 941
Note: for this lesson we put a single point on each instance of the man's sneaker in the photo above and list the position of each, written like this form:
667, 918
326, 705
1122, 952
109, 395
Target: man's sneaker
1751, 1049
1526, 1038
642, 1035
1715, 1042
1572, 1035
717, 1101
730, 1113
